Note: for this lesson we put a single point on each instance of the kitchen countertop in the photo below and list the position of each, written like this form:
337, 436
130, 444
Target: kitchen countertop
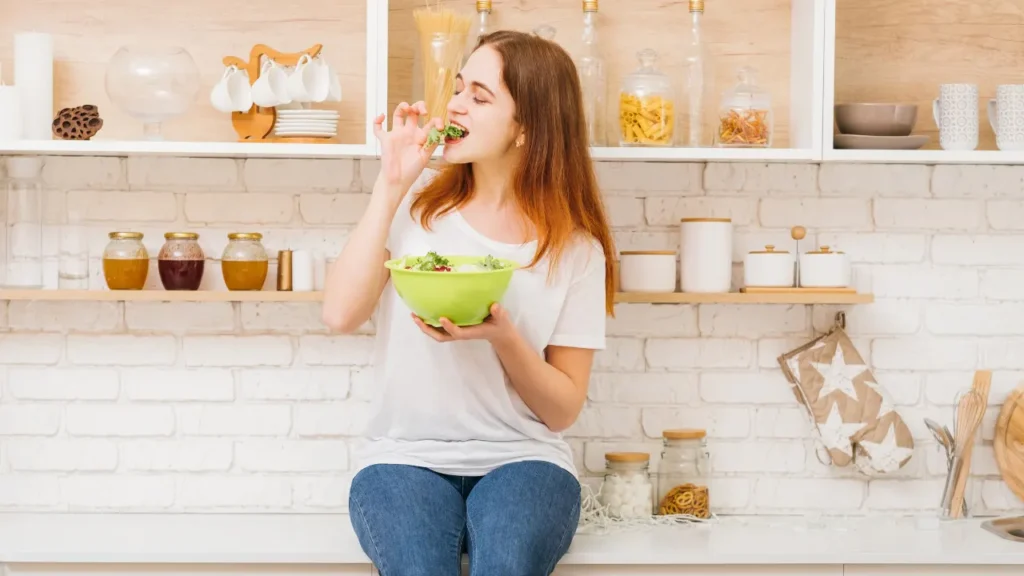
329, 539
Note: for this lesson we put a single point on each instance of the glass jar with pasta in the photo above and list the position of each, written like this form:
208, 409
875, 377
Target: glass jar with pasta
745, 116
684, 474
646, 105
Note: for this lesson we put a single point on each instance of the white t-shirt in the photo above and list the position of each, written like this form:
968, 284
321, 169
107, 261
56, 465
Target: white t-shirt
449, 406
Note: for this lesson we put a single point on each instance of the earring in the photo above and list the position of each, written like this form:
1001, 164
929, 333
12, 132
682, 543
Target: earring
520, 141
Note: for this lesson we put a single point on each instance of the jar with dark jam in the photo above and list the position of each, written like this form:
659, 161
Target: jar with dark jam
125, 261
244, 262
181, 261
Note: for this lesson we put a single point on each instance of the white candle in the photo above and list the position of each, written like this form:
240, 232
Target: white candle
319, 270
10, 114
33, 78
302, 271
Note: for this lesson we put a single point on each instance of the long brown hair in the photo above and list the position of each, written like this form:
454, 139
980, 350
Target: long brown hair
554, 187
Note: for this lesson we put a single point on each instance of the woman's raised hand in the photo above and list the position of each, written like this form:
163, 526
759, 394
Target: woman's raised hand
404, 153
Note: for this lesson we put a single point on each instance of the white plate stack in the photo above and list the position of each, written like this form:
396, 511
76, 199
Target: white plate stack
306, 123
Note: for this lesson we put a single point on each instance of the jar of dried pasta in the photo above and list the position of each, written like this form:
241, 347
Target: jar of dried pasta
684, 474
745, 115
646, 105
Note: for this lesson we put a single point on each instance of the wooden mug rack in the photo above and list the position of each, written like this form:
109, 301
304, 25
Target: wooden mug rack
255, 124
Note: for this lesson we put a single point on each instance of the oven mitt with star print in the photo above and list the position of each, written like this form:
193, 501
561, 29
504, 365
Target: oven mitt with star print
851, 412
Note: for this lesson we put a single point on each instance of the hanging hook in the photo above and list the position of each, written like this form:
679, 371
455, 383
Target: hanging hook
841, 319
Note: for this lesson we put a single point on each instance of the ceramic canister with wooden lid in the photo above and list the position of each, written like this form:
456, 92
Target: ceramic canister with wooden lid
769, 268
647, 271
824, 268
705, 263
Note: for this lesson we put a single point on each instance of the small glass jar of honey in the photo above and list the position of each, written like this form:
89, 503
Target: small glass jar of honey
125, 261
244, 262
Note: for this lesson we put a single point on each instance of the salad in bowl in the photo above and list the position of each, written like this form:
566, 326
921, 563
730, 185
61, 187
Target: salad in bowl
459, 288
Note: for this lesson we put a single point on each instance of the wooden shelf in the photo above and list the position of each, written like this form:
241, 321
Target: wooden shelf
160, 296
743, 298
274, 296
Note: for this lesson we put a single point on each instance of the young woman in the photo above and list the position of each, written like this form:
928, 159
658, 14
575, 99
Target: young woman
463, 448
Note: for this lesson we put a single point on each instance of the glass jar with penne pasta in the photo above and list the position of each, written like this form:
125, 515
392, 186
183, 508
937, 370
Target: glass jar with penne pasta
684, 474
646, 105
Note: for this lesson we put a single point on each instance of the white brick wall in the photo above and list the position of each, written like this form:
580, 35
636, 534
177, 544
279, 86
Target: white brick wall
245, 407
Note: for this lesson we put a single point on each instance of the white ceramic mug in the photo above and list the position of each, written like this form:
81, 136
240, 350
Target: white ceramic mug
271, 88
233, 92
1006, 116
309, 82
956, 115
334, 92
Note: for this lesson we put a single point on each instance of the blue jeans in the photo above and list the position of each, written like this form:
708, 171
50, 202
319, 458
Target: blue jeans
518, 520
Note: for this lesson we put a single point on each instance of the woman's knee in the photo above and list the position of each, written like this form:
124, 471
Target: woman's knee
408, 520
522, 519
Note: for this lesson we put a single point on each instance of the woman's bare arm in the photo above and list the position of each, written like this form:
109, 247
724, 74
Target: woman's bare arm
356, 279
354, 282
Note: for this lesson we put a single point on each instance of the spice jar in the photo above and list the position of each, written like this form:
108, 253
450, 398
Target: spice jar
683, 474
181, 261
627, 490
244, 262
745, 116
125, 261
646, 105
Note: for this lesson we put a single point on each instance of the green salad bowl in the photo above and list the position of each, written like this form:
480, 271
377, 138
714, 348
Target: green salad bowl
463, 297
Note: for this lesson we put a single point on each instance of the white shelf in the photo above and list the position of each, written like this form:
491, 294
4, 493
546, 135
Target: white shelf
812, 96
703, 154
187, 149
926, 156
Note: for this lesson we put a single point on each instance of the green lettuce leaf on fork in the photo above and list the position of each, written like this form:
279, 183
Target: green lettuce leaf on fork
450, 131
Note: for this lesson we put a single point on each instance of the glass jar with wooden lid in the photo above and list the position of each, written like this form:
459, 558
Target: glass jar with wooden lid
684, 474
627, 490
244, 262
647, 114
181, 261
125, 261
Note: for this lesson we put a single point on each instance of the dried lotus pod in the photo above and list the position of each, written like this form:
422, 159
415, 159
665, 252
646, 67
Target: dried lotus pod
78, 123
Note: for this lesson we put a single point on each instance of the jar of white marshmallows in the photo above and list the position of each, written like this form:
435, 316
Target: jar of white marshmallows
627, 490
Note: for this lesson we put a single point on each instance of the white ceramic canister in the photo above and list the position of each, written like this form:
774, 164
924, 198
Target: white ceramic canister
647, 270
824, 268
705, 248
769, 268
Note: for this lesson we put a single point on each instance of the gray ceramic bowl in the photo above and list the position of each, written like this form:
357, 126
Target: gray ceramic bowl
868, 119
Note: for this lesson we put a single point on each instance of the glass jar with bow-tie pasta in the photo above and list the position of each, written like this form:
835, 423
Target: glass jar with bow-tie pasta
745, 114
646, 105
684, 474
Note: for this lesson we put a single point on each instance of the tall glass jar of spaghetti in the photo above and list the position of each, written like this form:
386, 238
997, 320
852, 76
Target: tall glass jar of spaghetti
684, 474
